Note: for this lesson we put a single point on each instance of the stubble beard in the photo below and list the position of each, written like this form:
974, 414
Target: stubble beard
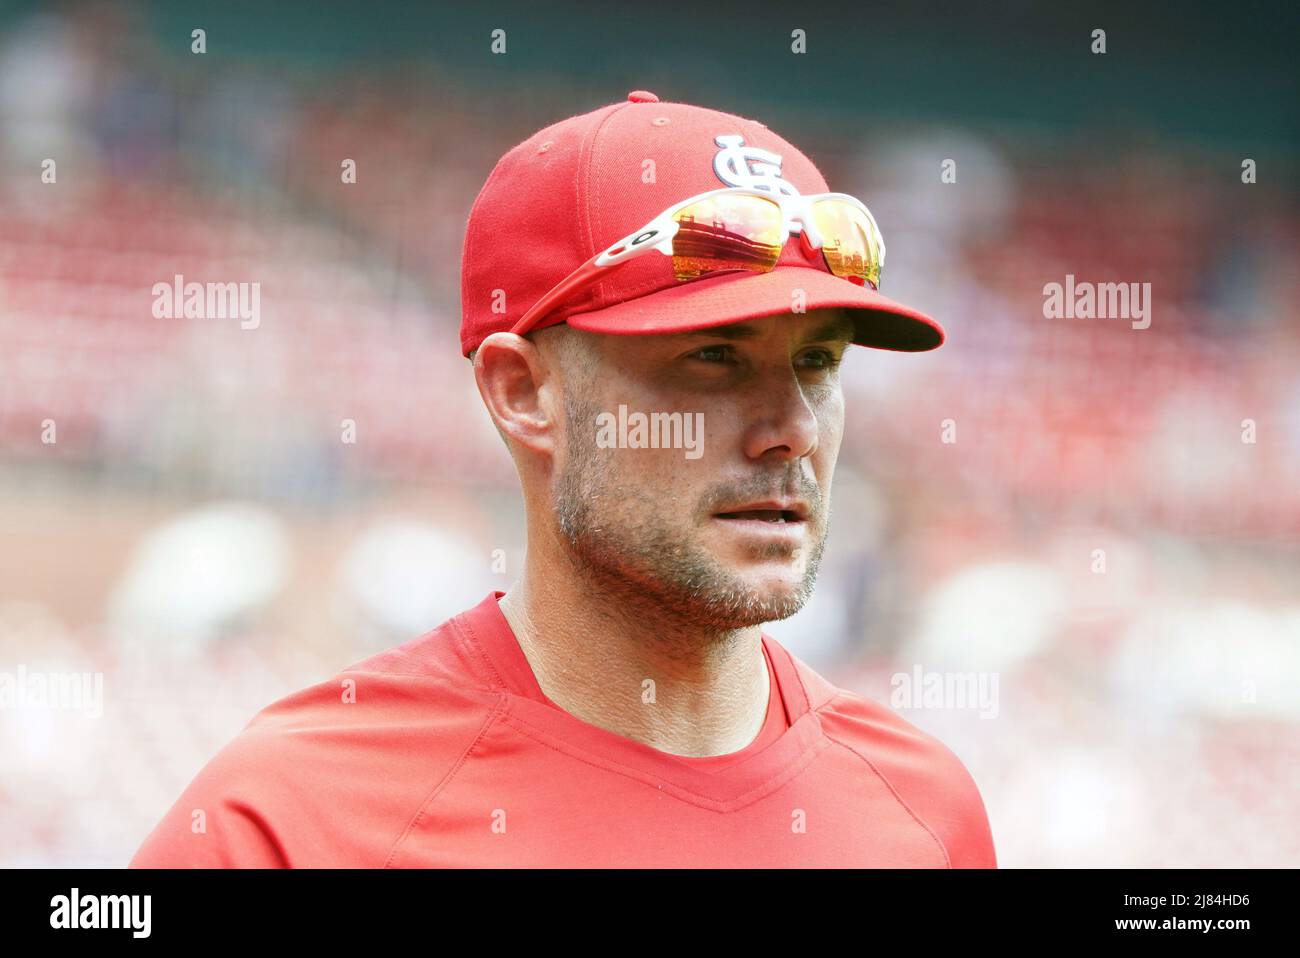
623, 546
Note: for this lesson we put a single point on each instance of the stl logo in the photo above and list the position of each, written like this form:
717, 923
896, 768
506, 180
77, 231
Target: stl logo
751, 166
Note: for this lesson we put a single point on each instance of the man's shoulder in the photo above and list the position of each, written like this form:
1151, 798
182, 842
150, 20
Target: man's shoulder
924, 773
423, 688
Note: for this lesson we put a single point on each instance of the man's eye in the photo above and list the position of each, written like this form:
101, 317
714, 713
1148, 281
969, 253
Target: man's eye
821, 359
714, 354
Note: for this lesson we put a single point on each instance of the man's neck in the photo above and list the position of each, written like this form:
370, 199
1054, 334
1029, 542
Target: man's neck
648, 677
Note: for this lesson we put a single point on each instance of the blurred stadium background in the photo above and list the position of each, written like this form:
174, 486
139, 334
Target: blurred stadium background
200, 536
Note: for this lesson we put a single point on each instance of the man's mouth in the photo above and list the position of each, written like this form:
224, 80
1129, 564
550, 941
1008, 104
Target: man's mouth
775, 511
764, 515
768, 523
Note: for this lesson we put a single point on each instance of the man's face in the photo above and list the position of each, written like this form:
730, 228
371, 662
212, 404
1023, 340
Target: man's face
696, 534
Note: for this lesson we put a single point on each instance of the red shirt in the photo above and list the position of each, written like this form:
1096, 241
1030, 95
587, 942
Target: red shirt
451, 756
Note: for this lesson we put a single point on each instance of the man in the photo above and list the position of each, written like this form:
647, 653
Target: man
659, 352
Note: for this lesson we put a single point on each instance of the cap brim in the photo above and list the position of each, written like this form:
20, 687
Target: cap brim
735, 297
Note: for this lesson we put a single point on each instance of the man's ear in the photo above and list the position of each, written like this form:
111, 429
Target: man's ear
520, 390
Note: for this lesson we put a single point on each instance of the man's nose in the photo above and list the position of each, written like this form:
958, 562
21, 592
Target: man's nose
783, 425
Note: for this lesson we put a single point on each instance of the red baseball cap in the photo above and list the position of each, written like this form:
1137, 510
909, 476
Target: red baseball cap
577, 186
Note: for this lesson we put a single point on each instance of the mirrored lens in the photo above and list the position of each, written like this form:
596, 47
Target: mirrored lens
725, 233
851, 243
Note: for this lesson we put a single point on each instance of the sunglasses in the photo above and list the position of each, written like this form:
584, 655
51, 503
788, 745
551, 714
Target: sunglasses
738, 228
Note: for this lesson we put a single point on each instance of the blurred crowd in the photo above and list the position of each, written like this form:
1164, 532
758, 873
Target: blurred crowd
1104, 517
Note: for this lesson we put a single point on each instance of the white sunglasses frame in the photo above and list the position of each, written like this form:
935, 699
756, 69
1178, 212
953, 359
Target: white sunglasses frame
796, 208
796, 212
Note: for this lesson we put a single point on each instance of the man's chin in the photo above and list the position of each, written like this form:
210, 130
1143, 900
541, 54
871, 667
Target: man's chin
753, 599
